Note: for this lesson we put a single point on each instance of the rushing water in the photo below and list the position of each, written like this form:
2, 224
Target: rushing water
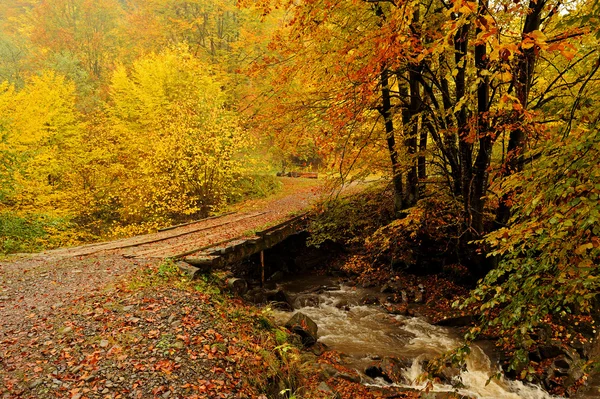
367, 332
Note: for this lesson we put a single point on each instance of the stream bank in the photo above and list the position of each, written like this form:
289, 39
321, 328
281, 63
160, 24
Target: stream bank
362, 343
383, 337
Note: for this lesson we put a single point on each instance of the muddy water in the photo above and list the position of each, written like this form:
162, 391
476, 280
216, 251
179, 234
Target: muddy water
365, 333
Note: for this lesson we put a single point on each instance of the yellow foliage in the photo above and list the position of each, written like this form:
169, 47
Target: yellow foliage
179, 143
165, 147
41, 129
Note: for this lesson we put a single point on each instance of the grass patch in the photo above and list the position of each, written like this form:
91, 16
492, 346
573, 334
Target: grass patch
31, 233
281, 336
26, 233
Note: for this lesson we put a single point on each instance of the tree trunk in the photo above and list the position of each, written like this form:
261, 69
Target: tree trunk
465, 146
411, 141
484, 154
450, 140
524, 73
422, 150
386, 112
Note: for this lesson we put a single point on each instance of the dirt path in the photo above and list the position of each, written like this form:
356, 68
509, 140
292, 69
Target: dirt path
109, 327
53, 300
42, 282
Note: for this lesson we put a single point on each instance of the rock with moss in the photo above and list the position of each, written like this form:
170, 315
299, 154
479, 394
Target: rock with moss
304, 327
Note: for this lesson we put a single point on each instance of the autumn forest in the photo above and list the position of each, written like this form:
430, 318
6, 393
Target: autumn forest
475, 124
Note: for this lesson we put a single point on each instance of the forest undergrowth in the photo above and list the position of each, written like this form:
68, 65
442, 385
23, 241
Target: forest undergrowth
423, 247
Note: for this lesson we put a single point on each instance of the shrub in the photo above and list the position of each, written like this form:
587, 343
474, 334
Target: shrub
427, 236
31, 233
350, 220
549, 253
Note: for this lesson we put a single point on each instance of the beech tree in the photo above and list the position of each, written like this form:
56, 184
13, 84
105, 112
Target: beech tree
41, 129
471, 78
85, 84
179, 145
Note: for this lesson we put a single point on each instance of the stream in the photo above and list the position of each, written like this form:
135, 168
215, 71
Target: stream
365, 333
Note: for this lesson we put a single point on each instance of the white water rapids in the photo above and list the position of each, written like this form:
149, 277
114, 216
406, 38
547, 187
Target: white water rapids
367, 332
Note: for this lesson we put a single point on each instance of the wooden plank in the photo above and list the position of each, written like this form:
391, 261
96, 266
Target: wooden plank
205, 262
205, 247
309, 175
130, 242
192, 272
234, 250
220, 243
186, 233
166, 248
196, 221
282, 224
305, 175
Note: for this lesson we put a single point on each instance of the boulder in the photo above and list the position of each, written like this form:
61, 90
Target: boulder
567, 366
449, 375
326, 288
582, 348
296, 341
571, 354
304, 327
326, 370
393, 287
343, 305
256, 295
306, 300
560, 366
348, 377
551, 349
369, 300
318, 349
390, 369
192, 272
387, 289
397, 308
326, 389
308, 359
535, 356
375, 371
280, 299
575, 374
393, 367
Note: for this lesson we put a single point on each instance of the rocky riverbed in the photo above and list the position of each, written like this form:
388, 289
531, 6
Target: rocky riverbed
386, 337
